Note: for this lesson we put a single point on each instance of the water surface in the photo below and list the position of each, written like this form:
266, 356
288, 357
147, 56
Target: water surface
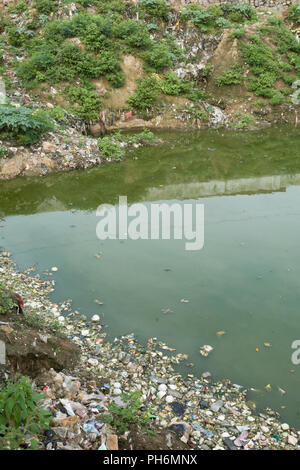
245, 281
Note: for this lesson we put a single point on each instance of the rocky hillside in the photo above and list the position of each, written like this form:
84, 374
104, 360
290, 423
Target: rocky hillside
71, 69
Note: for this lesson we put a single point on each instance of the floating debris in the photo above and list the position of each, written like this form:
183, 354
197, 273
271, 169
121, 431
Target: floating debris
206, 350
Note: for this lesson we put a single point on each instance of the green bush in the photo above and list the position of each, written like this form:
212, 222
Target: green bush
145, 95
232, 76
18, 36
108, 64
159, 57
239, 13
172, 85
6, 301
24, 124
294, 12
285, 39
21, 418
87, 103
217, 16
46, 7
20, 7
111, 6
290, 79
263, 64
158, 9
200, 17
133, 33
237, 33
97, 34
122, 418
277, 98
110, 149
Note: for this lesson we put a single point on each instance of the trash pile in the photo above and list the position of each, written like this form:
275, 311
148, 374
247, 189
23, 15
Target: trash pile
203, 414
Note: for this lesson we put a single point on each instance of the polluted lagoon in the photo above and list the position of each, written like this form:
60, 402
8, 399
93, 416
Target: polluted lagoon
239, 294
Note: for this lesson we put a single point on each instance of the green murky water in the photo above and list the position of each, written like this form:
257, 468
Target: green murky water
246, 280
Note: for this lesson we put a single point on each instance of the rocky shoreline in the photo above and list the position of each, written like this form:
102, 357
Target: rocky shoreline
174, 412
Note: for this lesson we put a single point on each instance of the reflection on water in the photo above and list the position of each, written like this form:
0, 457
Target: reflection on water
245, 281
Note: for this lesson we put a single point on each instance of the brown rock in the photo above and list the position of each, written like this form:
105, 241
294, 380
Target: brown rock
69, 422
95, 130
12, 168
112, 442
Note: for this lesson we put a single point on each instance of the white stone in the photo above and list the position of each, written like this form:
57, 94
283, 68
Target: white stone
169, 399
162, 388
292, 440
265, 429
285, 426
95, 318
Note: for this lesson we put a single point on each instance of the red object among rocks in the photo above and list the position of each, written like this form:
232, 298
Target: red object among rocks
20, 303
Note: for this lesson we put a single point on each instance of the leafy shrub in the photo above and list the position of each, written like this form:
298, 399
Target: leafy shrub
158, 9
285, 39
20, 414
114, 6
197, 112
144, 137
244, 121
18, 36
239, 13
289, 79
200, 17
87, 103
172, 85
57, 113
237, 33
146, 94
294, 12
19, 8
54, 64
134, 33
262, 63
6, 301
97, 34
77, 61
122, 418
218, 16
3, 154
159, 57
108, 64
232, 76
277, 98
110, 149
45, 7
294, 60
3, 23
24, 124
